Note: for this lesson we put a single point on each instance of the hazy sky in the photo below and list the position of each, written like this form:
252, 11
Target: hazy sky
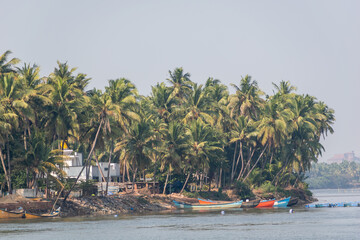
313, 44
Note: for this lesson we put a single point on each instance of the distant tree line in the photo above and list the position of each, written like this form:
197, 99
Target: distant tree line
335, 175
182, 133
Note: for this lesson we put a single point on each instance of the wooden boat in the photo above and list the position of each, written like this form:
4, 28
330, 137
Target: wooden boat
282, 203
11, 214
46, 215
266, 204
203, 201
181, 205
250, 204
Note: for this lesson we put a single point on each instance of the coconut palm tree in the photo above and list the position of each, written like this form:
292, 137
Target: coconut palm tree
175, 148
246, 101
202, 147
138, 145
181, 84
7, 66
196, 106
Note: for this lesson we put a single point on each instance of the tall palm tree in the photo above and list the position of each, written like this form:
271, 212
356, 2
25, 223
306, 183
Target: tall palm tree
7, 121
66, 101
138, 145
202, 146
175, 148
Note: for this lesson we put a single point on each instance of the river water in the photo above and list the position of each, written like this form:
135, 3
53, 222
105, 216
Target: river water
317, 223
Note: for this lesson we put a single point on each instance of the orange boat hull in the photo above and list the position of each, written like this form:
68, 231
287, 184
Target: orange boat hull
267, 204
6, 215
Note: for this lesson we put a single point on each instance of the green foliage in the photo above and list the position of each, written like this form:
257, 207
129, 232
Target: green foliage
243, 190
182, 129
213, 195
343, 175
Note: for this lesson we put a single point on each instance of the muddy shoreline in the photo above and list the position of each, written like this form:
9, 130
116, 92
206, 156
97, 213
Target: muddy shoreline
116, 204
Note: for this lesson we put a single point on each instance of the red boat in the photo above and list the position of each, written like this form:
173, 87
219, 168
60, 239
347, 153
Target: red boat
266, 204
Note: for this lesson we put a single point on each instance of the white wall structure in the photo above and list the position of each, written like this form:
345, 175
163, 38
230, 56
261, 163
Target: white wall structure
74, 164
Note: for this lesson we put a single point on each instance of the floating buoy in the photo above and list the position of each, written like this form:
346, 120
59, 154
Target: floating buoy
291, 211
222, 212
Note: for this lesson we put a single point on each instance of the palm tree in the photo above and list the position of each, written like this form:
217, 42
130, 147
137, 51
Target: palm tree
138, 145
7, 121
162, 101
66, 101
246, 101
181, 84
123, 95
41, 160
7, 66
272, 129
243, 134
175, 148
202, 146
197, 106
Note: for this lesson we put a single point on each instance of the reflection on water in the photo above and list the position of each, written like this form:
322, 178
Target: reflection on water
322, 223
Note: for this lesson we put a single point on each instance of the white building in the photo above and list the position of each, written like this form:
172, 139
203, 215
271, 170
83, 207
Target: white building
74, 164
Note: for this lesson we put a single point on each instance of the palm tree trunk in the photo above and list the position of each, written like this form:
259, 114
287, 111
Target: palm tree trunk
187, 179
237, 160
91, 151
255, 163
220, 175
101, 172
108, 174
5, 171
247, 166
8, 160
166, 181
242, 161
133, 180
233, 163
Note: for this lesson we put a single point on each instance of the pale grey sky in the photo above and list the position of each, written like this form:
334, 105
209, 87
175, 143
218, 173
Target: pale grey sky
313, 44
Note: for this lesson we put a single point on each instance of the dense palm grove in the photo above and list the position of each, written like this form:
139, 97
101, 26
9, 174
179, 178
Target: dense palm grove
183, 134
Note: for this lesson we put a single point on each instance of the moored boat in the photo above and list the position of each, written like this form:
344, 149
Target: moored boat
282, 203
208, 201
45, 215
266, 204
11, 214
250, 204
181, 205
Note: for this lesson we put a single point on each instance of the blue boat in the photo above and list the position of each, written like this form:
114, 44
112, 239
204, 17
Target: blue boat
282, 203
182, 205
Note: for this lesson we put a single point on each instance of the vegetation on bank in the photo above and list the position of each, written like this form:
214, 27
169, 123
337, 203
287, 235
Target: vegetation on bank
335, 175
184, 134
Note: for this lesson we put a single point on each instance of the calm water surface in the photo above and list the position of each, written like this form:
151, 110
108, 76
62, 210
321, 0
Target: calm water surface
320, 223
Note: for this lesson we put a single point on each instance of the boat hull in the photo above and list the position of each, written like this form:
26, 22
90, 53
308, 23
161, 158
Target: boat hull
181, 205
250, 204
282, 203
266, 204
6, 215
